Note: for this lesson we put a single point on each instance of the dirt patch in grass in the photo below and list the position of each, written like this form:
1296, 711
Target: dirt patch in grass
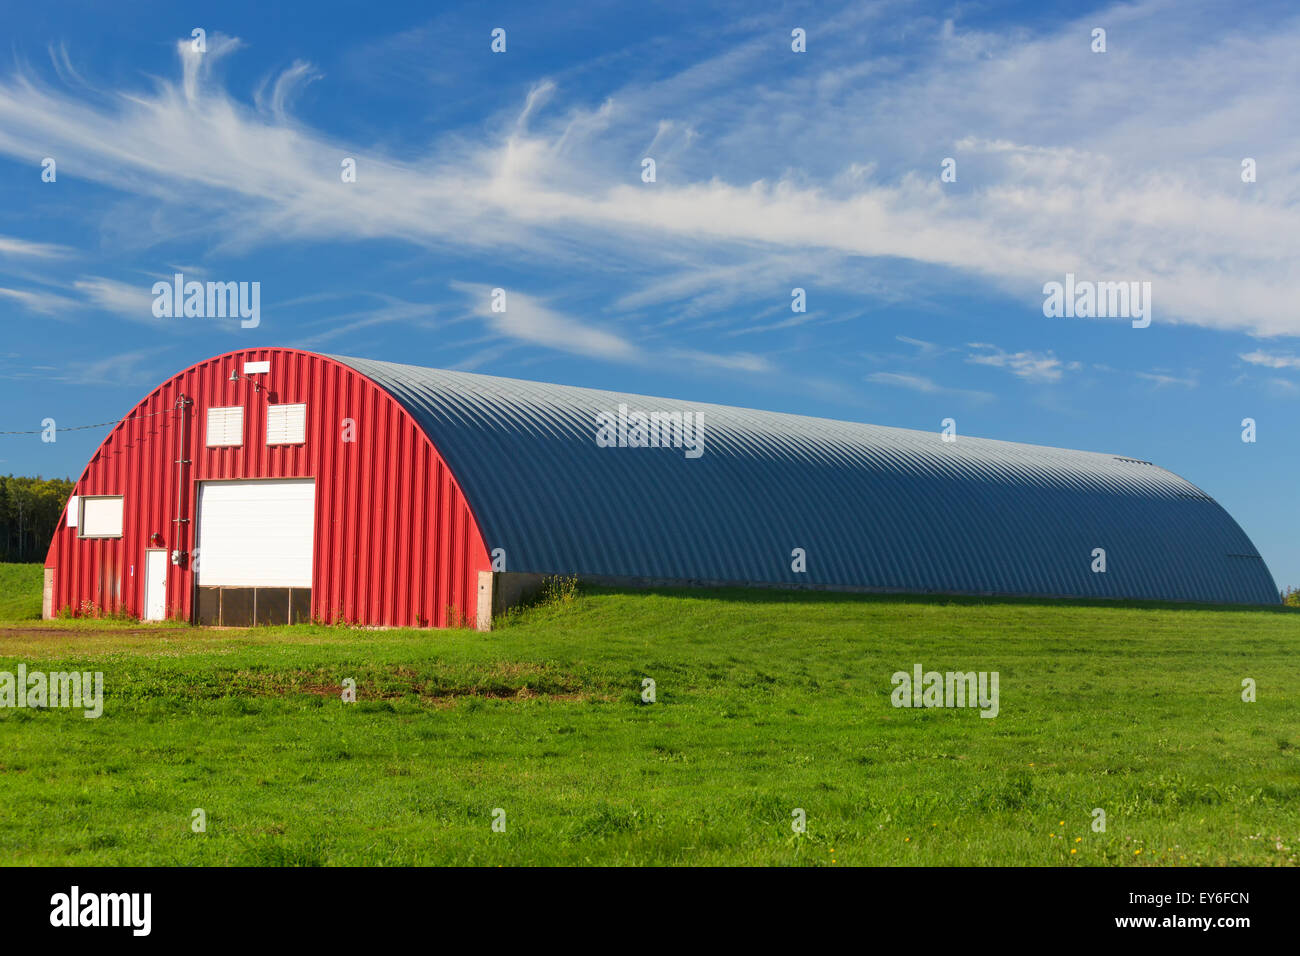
80, 632
434, 685
446, 696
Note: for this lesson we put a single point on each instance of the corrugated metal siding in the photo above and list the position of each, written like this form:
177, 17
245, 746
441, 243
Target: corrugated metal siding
395, 541
873, 507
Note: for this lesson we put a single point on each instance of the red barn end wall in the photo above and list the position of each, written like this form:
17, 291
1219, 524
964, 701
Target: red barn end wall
395, 542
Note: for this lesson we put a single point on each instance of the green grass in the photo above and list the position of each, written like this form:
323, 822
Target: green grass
767, 702
20, 591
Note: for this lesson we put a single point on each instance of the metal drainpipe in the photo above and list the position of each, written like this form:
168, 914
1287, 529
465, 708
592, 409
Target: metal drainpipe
181, 461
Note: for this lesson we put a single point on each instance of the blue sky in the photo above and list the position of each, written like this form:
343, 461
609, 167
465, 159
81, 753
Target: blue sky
774, 170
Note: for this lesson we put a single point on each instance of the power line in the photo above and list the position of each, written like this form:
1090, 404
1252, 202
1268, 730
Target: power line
77, 428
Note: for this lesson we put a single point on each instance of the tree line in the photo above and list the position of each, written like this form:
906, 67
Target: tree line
30, 510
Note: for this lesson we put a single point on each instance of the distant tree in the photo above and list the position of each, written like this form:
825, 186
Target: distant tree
1291, 597
30, 510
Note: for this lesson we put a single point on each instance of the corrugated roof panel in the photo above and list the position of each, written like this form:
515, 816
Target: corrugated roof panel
873, 507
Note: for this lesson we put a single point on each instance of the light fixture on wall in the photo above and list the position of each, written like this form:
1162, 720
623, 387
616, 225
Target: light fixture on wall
235, 377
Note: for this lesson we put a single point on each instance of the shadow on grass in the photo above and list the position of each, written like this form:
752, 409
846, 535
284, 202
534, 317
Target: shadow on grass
764, 595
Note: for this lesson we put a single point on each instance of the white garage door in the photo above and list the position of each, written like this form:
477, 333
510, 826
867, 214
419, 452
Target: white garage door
256, 533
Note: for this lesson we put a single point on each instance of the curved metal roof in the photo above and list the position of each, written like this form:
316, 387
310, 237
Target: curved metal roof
872, 507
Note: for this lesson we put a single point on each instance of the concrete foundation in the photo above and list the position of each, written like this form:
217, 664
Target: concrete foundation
499, 591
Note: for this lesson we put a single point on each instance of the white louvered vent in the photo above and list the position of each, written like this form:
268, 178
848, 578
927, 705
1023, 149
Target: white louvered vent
226, 426
286, 424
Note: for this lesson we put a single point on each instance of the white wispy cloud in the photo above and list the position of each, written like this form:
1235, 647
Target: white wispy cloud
920, 383
735, 361
391, 310
10, 246
1283, 388
44, 302
1272, 359
924, 347
797, 319
132, 302
1058, 167
527, 319
917, 383
1163, 378
135, 367
1037, 367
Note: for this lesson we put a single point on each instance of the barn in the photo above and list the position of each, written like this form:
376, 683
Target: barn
275, 485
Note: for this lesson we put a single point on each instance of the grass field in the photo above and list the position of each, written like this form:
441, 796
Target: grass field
766, 702
20, 591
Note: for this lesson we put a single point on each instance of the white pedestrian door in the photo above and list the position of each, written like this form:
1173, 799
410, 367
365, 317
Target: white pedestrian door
155, 585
